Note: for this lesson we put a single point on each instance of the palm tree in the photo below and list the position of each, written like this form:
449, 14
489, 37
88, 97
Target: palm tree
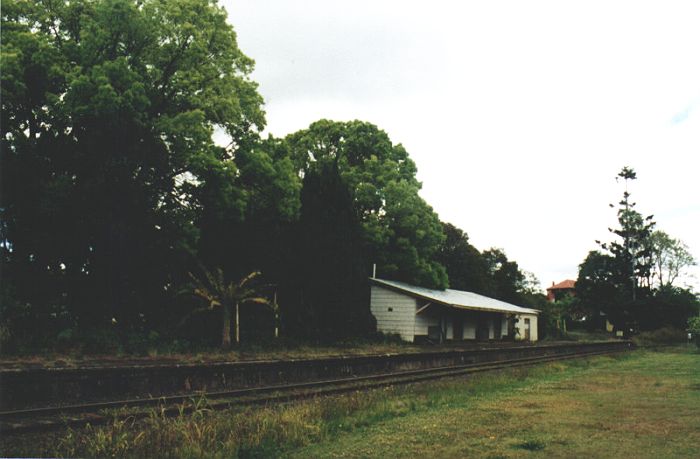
227, 295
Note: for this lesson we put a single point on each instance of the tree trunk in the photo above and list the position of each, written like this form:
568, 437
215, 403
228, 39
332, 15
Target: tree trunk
238, 326
226, 332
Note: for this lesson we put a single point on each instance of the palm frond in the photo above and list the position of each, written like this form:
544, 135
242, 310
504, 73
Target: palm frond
255, 299
206, 292
217, 292
248, 278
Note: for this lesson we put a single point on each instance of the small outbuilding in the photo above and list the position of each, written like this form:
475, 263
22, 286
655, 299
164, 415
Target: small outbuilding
421, 314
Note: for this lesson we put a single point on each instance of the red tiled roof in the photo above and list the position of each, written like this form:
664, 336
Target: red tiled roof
568, 283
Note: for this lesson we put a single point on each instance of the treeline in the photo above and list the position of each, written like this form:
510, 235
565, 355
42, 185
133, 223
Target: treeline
113, 192
632, 281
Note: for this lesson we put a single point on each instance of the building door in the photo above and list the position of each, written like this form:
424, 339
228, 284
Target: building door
526, 331
482, 328
434, 333
497, 327
458, 328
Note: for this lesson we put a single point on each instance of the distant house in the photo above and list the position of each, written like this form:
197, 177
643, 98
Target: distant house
558, 291
421, 314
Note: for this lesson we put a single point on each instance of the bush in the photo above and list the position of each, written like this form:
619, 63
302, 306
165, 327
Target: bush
100, 341
694, 328
665, 335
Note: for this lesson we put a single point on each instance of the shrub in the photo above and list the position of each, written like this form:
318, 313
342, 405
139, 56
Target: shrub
694, 328
665, 335
100, 341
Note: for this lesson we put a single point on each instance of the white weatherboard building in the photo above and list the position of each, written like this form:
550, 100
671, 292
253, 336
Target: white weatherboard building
418, 313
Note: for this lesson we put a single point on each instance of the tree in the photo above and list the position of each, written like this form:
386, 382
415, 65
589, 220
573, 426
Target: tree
326, 287
252, 232
633, 254
598, 290
108, 111
508, 280
668, 306
466, 267
670, 256
401, 231
228, 296
619, 283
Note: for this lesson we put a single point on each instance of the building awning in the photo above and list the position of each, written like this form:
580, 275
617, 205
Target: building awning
457, 299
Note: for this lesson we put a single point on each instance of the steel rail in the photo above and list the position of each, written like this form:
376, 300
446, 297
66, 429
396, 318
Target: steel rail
49, 418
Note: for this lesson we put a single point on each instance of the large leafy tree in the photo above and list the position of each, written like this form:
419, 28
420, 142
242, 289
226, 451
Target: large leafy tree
508, 281
256, 235
597, 291
671, 257
466, 267
668, 306
108, 111
401, 231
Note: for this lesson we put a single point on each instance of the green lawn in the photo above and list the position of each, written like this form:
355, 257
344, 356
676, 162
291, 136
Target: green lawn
634, 405
644, 405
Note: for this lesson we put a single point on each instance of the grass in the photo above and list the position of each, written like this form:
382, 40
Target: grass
643, 404
585, 335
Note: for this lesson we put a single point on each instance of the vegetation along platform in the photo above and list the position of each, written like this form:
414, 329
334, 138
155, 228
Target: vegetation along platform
38, 387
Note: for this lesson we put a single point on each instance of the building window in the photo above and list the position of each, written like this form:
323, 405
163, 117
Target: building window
390, 309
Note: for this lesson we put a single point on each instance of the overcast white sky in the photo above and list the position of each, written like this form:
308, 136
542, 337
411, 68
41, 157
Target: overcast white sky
518, 114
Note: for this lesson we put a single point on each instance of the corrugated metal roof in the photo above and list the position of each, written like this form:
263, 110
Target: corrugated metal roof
456, 298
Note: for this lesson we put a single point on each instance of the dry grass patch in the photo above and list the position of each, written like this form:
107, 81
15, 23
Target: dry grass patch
639, 406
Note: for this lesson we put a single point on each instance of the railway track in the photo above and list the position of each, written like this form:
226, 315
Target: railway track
76, 415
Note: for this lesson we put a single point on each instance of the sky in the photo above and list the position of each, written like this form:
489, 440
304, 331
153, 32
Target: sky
519, 115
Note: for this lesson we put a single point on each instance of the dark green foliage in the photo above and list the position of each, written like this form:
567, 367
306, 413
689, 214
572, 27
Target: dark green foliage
112, 189
597, 292
326, 293
694, 328
619, 283
490, 273
667, 307
664, 335
466, 268
632, 254
108, 109
400, 230
257, 235
507, 280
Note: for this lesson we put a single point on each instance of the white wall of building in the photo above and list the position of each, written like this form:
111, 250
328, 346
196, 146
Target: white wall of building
521, 326
469, 328
425, 319
395, 313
